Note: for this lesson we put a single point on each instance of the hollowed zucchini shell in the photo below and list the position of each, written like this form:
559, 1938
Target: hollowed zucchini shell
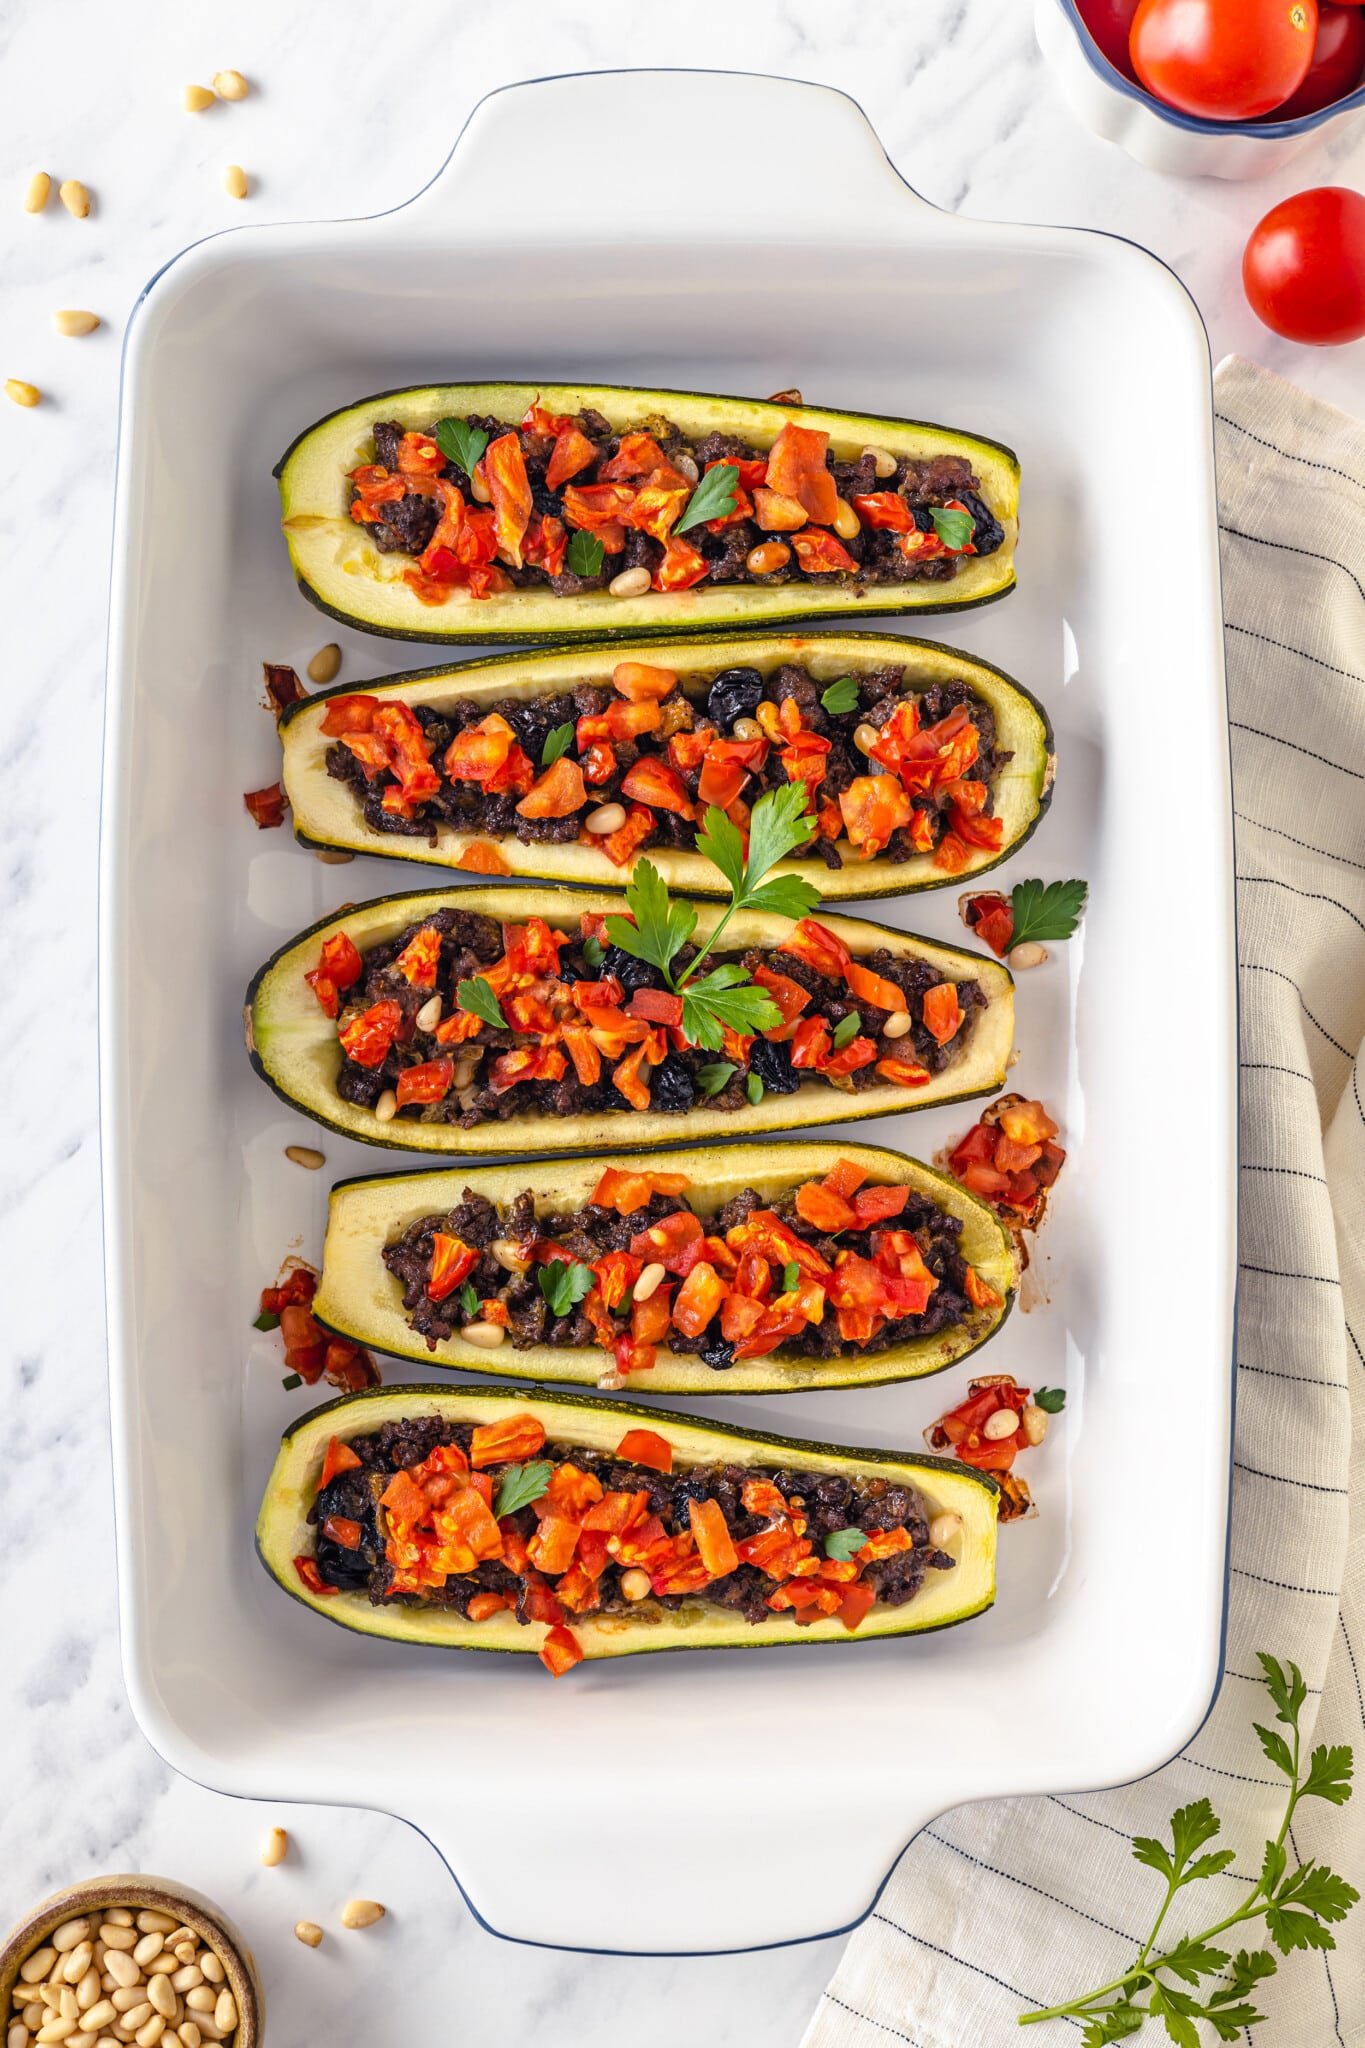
359, 1298
295, 1048
342, 571
945, 1484
328, 813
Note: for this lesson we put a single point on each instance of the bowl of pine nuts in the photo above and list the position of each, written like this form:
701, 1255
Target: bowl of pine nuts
138, 1960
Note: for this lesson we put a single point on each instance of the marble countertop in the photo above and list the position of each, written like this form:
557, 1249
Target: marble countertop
352, 109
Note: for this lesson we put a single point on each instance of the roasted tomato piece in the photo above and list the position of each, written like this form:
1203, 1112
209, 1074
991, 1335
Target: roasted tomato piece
639, 680
797, 468
877, 1205
824, 1210
452, 1260
653, 782
885, 511
482, 858
267, 808
504, 468
368, 1037
818, 947
668, 1240
715, 1545
419, 959
573, 451
560, 1651
681, 567
622, 845
512, 1440
340, 1458
991, 917
872, 808
1027, 1123
859, 1052
980, 1292
820, 554
311, 1576
790, 997
904, 1073
698, 1299
656, 1005
646, 1447
558, 793
429, 1082
480, 750
811, 1044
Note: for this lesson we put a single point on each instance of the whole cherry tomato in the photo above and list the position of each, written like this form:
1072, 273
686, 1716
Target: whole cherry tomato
1109, 24
1223, 60
1304, 267
1338, 61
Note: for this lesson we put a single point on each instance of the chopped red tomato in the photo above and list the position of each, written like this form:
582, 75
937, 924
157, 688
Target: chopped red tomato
348, 714
904, 1073
1027, 1123
557, 793
776, 512
980, 1292
810, 1045
573, 451
600, 509
856, 1604
482, 1605
477, 753
638, 680
629, 1080
340, 967
546, 544
267, 808
481, 858
504, 469
789, 996
796, 467
668, 1240
340, 1458
818, 947
885, 512
874, 988
823, 1209
452, 1260
514, 1439
820, 554
878, 1205
418, 961
646, 1447
657, 1005
560, 1651
342, 1530
681, 567
598, 763
715, 1545
859, 1052
699, 1299
653, 782
368, 1037
621, 845
991, 917
429, 1082
307, 1569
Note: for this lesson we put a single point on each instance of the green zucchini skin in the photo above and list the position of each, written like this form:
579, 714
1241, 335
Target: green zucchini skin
327, 814
360, 1299
294, 1048
336, 565
282, 1531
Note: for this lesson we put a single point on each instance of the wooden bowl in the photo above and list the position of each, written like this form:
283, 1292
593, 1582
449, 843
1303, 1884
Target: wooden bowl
139, 1894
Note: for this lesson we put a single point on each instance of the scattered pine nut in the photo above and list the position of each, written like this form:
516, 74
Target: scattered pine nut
22, 393
488, 1337
325, 664
943, 1528
302, 1155
630, 583
275, 1847
70, 1935
225, 2012
235, 182
361, 1913
74, 197
1004, 1422
429, 1016
1028, 953
846, 521
73, 323
635, 1584
195, 98
607, 818
230, 85
386, 1109
883, 462
308, 1932
37, 192
897, 1024
649, 1282
333, 857
1035, 1420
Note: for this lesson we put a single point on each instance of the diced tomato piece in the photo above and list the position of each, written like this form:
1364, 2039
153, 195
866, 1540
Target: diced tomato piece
991, 917
726, 769
557, 793
560, 1651
620, 846
657, 1005
653, 782
811, 1044
342, 1530
817, 945
980, 1292
904, 1073
872, 808
668, 1239
340, 967
511, 1441
883, 1543
646, 1447
429, 1082
266, 807
875, 1205
1027, 1123
1021, 1192
817, 1205
404, 1499
978, 1144
543, 1063
790, 997
628, 1078
340, 1458
617, 1512
681, 567
984, 1180
977, 830
859, 1052
480, 858
884, 512
418, 455
482, 1605
572, 453
942, 1011
740, 1317
855, 1605
551, 1548
649, 1320
777, 1325
1050, 1165
637, 680
844, 1178
311, 1576
297, 1327
538, 1602
699, 1299
638, 455
776, 512
476, 754
952, 854
452, 1260
989, 1457
616, 1273
587, 1060
1012, 1158
348, 714
715, 1545
504, 469
797, 468
546, 543
820, 554
598, 763
600, 509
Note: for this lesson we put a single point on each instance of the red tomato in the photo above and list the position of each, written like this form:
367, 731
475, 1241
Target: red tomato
1304, 267
1224, 60
1108, 23
1338, 61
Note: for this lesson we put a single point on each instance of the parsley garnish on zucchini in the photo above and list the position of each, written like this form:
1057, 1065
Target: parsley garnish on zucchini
520, 1485
953, 528
556, 743
477, 997
841, 696
586, 555
565, 1284
844, 1543
460, 443
714, 497
846, 1030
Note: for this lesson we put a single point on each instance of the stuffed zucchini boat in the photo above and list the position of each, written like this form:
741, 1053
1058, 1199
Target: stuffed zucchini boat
466, 1021
920, 764
493, 1520
523, 511
746, 1269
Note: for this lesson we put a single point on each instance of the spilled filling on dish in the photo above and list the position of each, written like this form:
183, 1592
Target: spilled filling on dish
886, 768
563, 503
833, 1267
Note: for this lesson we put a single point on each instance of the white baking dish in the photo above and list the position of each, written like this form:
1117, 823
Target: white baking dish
777, 1788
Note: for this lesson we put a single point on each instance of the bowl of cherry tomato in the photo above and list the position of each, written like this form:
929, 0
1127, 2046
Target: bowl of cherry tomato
1208, 88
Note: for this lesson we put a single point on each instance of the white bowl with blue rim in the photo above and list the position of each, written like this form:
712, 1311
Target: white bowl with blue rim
1162, 137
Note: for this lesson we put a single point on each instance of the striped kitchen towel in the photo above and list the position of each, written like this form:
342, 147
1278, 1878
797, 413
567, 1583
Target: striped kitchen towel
1030, 1902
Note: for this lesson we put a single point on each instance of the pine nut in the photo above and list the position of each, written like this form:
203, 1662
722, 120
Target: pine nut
149, 2034
478, 485
635, 1584
18, 2036
149, 1948
21, 392
610, 1381
194, 98
308, 1932
120, 1967
74, 197
488, 1336
56, 2030
649, 1281
225, 2012
37, 192
190, 2036
943, 1528
186, 1978
1004, 1422
184, 1951
685, 466
164, 1964
429, 1016
202, 1999
882, 461
361, 1912
73, 323
211, 1967
70, 1935
1028, 953
1036, 1420
509, 1255
275, 1846
230, 85
897, 1024
305, 1155
846, 521
325, 664
118, 1916
38, 1964
34, 2013
151, 1922
99, 2015
606, 818
66, 2003
116, 1938
746, 729
78, 1961
162, 1997
88, 1990
865, 738
332, 856
767, 558
235, 182
630, 582
138, 2015
386, 1109
131, 1995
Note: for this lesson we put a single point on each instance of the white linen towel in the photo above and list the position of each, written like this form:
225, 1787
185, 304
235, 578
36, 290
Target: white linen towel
1030, 1902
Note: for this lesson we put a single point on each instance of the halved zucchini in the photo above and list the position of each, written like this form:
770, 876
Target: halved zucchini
359, 1298
327, 813
945, 1484
295, 1049
344, 574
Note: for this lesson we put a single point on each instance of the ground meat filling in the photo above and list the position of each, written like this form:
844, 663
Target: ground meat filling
818, 1503
727, 738
512, 519
402, 1029
589, 1235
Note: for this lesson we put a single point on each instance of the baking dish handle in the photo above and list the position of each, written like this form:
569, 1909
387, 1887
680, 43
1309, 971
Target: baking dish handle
650, 153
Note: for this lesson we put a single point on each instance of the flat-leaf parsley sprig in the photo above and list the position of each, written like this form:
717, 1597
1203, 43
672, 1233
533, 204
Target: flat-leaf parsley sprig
725, 996
1297, 1905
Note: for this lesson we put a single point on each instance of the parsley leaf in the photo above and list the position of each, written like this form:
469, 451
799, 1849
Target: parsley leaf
469, 1300
713, 498
266, 1320
753, 1088
1051, 1400
586, 555
520, 1485
1286, 1687
1318, 1890
726, 996
719, 840
954, 529
1050, 910
556, 743
593, 952
846, 1030
712, 1079
842, 1543
1276, 1748
1329, 1774
841, 696
661, 926
477, 999
1289, 1931
564, 1285
777, 826
791, 1277
460, 443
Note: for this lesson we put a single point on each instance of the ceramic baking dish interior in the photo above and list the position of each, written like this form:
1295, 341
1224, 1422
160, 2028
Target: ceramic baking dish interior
1087, 357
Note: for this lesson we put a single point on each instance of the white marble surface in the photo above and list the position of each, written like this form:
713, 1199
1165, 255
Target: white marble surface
353, 109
